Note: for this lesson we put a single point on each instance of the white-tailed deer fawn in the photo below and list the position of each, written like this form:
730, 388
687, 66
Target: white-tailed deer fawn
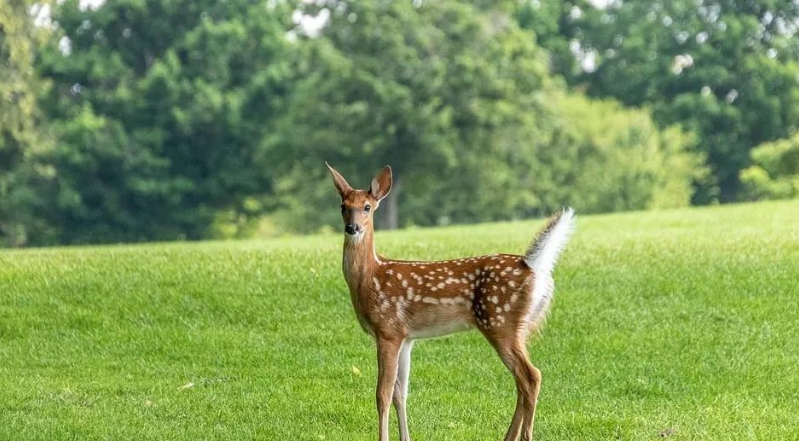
504, 296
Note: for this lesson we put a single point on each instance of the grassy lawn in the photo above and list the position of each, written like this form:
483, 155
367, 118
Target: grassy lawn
681, 323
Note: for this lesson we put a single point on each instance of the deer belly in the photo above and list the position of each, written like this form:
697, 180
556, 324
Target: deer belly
438, 322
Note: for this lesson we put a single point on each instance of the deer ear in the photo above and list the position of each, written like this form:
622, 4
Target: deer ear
341, 184
381, 184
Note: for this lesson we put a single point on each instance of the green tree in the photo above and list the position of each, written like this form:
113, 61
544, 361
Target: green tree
452, 97
159, 107
22, 174
459, 101
725, 70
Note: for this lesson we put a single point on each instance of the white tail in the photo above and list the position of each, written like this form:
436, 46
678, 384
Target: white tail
541, 257
504, 296
546, 247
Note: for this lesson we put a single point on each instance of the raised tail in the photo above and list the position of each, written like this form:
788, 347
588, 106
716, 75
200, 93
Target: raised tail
543, 252
541, 257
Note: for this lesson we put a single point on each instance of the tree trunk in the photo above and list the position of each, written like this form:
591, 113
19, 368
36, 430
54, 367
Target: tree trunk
390, 218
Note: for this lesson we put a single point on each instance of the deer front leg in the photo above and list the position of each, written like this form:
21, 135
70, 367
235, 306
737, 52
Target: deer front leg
401, 388
387, 359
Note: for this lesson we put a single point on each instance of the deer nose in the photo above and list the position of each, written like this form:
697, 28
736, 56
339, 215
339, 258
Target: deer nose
351, 229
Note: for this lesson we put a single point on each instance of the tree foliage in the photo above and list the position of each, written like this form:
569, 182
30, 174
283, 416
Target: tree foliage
461, 105
440, 92
724, 70
774, 173
603, 158
172, 119
158, 107
22, 173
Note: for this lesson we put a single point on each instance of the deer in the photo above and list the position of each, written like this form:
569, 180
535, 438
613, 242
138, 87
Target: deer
504, 296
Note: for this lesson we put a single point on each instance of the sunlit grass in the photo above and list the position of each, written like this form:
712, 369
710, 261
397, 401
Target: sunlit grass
682, 323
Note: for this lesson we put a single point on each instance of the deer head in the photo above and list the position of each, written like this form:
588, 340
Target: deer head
358, 206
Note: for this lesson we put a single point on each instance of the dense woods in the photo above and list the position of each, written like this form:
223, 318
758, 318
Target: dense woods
138, 120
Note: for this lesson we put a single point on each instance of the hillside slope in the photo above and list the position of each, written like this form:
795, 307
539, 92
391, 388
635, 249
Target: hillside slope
681, 323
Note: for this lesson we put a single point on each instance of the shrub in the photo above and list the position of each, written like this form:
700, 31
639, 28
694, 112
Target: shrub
775, 170
603, 157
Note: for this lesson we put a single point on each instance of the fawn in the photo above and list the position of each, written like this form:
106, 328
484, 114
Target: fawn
504, 296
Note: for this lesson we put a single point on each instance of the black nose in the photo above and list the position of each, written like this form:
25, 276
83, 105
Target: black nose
350, 229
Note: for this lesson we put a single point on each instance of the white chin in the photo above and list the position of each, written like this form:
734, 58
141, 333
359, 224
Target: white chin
354, 237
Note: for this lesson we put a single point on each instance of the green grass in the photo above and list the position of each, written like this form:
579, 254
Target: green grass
682, 321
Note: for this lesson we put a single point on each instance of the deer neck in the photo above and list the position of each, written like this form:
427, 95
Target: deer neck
360, 259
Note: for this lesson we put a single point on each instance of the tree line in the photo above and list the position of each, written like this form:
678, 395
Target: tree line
138, 120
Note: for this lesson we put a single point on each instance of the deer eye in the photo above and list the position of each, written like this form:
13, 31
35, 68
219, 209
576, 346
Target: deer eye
343, 208
367, 208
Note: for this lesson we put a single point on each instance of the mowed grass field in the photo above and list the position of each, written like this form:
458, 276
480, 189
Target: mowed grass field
680, 324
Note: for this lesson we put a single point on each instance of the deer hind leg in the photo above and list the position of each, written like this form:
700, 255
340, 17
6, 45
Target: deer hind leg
516, 423
401, 389
534, 376
532, 379
513, 353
